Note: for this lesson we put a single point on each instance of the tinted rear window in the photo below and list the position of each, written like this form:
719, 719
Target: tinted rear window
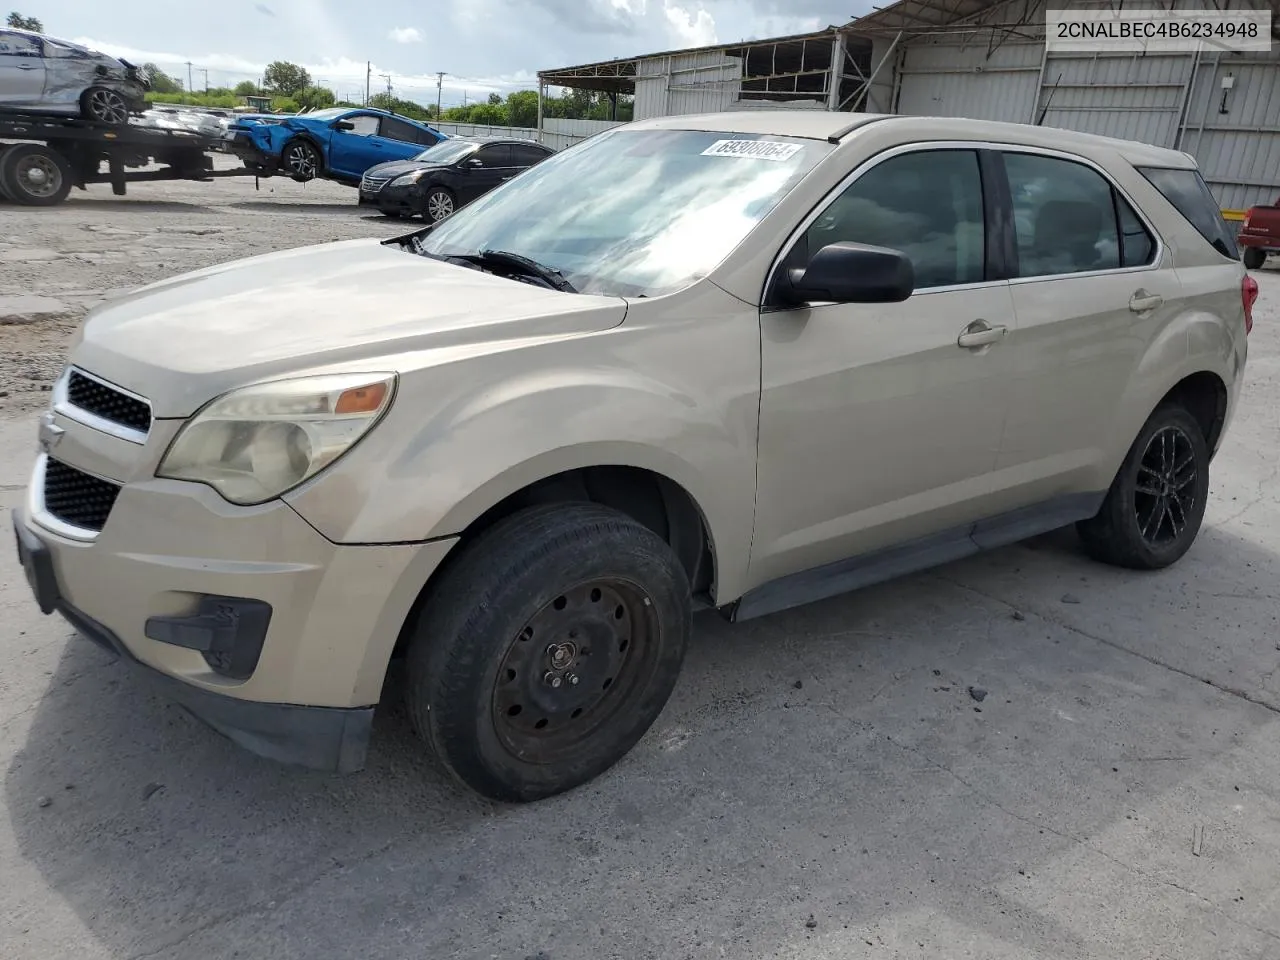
1187, 191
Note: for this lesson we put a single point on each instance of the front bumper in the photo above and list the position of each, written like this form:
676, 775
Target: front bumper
170, 550
405, 200
250, 154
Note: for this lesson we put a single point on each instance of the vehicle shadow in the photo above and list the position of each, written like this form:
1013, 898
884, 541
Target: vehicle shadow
289, 205
127, 205
823, 783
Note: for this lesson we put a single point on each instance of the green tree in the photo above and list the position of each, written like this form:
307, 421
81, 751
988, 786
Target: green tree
316, 98
494, 99
246, 88
18, 22
286, 78
522, 108
161, 82
284, 105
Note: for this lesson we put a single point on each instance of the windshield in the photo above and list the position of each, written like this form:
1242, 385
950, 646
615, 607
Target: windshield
332, 113
633, 212
447, 151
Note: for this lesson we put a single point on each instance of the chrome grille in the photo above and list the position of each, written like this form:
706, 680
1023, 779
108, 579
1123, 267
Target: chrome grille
108, 403
370, 184
77, 498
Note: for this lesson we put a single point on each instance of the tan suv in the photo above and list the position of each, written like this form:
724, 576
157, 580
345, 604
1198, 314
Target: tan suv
742, 361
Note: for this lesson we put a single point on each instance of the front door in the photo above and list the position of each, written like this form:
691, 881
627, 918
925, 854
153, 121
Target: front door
1090, 296
881, 423
21, 70
352, 152
484, 170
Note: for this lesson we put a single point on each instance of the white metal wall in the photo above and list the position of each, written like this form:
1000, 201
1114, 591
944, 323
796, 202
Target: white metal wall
700, 82
1171, 100
556, 133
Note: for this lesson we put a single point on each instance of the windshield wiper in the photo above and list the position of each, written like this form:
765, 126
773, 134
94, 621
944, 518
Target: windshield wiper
504, 258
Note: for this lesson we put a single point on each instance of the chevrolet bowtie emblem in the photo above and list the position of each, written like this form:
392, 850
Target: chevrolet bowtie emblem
50, 433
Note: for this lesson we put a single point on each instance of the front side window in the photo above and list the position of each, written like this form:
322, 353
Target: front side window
1064, 216
634, 212
495, 155
928, 204
362, 126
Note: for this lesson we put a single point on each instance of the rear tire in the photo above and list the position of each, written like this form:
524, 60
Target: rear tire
546, 649
34, 175
1156, 503
1254, 258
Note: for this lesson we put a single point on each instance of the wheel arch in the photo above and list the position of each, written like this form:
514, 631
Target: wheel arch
648, 496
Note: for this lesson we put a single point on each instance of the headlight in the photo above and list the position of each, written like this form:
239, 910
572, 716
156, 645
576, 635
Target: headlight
411, 177
253, 444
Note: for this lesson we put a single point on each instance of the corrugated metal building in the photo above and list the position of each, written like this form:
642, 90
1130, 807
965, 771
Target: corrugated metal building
987, 59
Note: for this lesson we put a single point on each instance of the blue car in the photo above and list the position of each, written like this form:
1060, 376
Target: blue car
340, 143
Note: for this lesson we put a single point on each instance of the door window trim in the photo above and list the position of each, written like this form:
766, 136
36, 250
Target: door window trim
979, 147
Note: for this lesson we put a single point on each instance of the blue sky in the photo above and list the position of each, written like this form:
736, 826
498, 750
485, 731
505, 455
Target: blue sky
482, 45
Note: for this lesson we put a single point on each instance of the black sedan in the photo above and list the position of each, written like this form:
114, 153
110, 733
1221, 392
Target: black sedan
447, 176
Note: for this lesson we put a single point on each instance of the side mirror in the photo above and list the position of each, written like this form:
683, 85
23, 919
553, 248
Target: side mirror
344, 125
475, 162
850, 273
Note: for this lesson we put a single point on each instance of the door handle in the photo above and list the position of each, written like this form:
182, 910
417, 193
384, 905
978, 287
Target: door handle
980, 334
27, 66
1142, 301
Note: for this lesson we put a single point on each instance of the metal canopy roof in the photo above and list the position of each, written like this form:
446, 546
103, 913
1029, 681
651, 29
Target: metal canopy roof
618, 76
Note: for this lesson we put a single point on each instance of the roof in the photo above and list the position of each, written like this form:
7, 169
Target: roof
619, 75
806, 124
823, 125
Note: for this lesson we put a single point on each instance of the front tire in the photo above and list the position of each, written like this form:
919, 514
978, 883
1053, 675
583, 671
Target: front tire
1254, 258
301, 160
546, 649
1156, 503
438, 204
103, 105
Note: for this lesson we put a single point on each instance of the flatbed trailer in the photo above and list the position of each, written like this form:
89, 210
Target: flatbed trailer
43, 157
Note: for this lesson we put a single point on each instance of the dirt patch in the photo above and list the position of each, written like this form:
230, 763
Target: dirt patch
59, 263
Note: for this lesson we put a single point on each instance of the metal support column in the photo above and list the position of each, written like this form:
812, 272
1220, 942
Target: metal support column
542, 92
835, 72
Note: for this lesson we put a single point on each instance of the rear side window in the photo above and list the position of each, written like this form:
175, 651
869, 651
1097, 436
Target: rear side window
394, 129
1187, 191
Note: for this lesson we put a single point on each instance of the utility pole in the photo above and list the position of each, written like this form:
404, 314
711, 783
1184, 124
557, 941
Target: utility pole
387, 77
206, 79
368, 72
190, 85
439, 88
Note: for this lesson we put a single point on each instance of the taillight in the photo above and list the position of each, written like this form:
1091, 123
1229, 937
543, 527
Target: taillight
1248, 294
1247, 215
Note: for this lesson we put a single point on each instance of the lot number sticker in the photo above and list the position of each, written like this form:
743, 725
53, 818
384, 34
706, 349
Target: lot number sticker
753, 149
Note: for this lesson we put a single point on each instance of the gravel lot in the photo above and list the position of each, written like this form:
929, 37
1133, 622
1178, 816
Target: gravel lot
823, 784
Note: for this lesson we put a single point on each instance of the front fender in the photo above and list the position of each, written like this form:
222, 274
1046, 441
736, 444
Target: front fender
678, 398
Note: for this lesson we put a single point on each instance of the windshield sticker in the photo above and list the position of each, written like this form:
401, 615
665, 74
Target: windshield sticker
753, 149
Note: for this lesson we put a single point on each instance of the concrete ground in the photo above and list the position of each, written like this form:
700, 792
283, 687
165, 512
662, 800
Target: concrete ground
822, 785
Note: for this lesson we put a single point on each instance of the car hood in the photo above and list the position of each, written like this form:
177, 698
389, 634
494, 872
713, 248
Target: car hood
184, 341
396, 168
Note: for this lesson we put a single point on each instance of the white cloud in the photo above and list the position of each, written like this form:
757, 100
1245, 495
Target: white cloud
690, 28
405, 35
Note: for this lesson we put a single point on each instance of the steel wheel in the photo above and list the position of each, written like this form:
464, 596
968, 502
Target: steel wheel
301, 160
439, 205
1164, 494
575, 664
106, 106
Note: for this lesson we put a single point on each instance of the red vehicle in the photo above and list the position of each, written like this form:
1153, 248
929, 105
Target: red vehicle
1260, 234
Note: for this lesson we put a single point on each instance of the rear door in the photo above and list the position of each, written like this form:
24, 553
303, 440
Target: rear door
1092, 286
399, 139
22, 70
